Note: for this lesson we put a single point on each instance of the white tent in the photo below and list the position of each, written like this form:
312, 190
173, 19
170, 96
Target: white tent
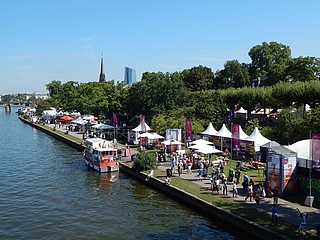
139, 128
151, 136
302, 148
258, 139
223, 132
210, 130
242, 134
241, 110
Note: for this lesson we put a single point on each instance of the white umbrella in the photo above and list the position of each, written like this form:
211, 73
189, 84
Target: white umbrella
208, 150
200, 142
80, 121
102, 126
171, 142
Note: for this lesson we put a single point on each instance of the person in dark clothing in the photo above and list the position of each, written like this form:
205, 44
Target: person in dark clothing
274, 215
275, 194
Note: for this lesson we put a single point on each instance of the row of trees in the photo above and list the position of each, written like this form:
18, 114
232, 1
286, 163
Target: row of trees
167, 99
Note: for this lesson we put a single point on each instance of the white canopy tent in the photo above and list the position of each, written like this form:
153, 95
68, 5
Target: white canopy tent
303, 150
210, 130
151, 136
139, 128
242, 134
223, 132
241, 110
257, 138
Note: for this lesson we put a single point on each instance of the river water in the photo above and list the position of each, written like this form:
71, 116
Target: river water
46, 192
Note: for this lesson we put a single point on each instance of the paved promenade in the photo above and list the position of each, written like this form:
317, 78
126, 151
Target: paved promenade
287, 211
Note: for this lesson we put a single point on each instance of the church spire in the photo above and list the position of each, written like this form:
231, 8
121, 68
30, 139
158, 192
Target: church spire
102, 77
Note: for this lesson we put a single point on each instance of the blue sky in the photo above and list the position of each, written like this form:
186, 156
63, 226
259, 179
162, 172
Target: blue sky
63, 40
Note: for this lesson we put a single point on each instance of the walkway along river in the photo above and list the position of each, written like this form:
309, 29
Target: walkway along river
225, 218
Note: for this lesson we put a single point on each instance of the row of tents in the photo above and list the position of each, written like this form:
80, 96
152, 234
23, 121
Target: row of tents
256, 137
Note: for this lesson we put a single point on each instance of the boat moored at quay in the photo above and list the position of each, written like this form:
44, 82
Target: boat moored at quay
100, 155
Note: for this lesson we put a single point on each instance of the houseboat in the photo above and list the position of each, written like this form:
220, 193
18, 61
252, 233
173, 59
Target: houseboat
100, 155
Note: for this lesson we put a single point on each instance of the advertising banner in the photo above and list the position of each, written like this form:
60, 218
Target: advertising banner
273, 171
289, 163
315, 150
235, 138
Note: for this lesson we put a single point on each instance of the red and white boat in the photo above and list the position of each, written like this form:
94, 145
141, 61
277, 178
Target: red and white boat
100, 155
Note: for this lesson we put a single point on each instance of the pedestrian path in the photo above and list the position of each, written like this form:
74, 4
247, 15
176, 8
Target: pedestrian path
287, 211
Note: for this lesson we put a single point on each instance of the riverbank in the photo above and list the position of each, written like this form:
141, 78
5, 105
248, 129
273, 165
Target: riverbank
222, 214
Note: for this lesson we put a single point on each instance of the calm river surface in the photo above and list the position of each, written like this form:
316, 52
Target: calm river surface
46, 192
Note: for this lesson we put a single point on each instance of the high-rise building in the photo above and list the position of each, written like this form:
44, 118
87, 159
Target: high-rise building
102, 76
129, 75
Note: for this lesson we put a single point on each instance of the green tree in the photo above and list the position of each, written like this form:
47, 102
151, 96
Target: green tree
198, 78
271, 60
312, 119
291, 127
144, 161
156, 93
234, 75
42, 106
303, 69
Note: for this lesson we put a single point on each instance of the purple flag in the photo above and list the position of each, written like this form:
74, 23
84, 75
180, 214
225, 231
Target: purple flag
115, 121
188, 130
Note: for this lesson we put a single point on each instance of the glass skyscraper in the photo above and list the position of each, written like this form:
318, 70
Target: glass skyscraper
129, 75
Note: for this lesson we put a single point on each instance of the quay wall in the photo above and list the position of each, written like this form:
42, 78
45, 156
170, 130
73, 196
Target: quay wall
224, 217
55, 135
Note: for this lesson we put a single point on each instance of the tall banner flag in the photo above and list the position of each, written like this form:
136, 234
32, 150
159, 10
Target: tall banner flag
115, 120
188, 130
235, 138
143, 124
315, 150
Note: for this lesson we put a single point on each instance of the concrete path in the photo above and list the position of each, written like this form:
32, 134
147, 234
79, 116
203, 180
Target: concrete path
287, 211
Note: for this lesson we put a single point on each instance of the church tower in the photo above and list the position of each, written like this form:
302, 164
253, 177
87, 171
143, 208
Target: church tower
102, 77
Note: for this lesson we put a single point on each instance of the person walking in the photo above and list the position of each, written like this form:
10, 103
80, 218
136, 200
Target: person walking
225, 187
274, 215
257, 199
200, 174
180, 168
234, 189
303, 223
275, 194
249, 193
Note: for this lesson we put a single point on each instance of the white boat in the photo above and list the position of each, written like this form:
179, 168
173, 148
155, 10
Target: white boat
100, 155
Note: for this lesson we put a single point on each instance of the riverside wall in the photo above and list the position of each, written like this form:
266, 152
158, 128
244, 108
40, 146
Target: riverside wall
223, 217
55, 135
